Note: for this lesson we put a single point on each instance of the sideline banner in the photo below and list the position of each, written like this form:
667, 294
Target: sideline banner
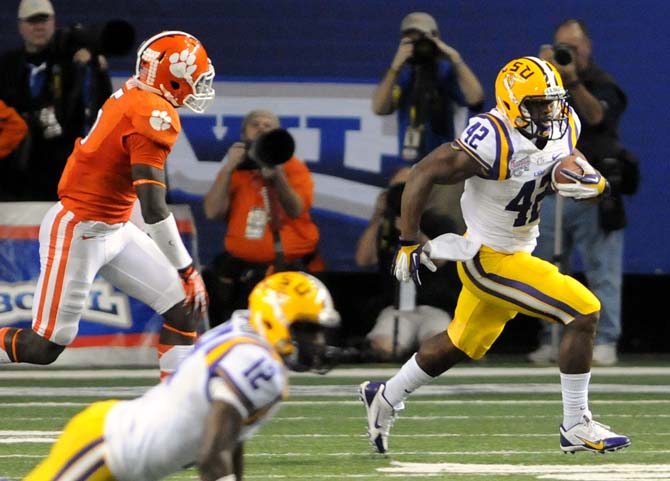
115, 329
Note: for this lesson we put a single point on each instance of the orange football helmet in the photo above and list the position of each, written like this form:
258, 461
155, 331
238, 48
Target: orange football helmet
175, 65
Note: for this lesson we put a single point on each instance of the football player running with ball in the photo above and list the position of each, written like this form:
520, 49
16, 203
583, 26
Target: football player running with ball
221, 394
507, 156
88, 231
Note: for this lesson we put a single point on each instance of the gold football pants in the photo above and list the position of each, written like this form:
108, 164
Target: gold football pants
497, 286
79, 452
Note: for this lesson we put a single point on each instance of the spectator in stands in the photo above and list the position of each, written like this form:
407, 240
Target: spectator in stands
595, 229
407, 316
58, 88
432, 90
13, 129
268, 225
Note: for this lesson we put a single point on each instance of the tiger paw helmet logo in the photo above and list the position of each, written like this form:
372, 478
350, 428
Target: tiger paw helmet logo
160, 120
182, 65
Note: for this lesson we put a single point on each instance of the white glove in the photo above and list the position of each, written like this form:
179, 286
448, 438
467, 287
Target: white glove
588, 185
408, 258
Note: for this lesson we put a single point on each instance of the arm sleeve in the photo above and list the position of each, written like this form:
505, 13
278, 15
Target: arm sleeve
145, 151
157, 120
574, 128
13, 129
300, 180
613, 101
488, 142
449, 81
248, 377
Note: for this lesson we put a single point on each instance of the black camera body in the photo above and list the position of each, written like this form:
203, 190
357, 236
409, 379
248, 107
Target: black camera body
563, 54
270, 149
425, 51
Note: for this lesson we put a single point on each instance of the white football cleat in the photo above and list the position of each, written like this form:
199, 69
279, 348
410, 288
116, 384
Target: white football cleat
590, 435
381, 415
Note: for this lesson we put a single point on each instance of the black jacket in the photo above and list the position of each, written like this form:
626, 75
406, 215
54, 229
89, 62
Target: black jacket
73, 92
600, 143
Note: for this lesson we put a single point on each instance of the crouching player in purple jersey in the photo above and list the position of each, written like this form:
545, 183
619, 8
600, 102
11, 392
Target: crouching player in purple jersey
219, 396
507, 158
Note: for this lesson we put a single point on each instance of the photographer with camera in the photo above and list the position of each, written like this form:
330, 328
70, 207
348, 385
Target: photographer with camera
405, 316
57, 91
432, 90
595, 229
426, 81
264, 193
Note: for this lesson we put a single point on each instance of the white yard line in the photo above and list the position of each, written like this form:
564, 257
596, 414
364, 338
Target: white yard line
362, 372
347, 390
563, 472
366, 454
53, 434
435, 402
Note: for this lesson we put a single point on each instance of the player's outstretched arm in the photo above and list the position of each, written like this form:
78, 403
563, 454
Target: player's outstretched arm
161, 225
149, 183
221, 453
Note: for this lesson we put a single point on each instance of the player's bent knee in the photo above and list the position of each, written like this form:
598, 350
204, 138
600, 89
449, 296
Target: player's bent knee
586, 323
169, 298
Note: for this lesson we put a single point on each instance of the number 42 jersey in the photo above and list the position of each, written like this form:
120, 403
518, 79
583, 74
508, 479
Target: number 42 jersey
502, 208
161, 432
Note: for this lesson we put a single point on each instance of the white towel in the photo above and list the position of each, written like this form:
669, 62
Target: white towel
452, 247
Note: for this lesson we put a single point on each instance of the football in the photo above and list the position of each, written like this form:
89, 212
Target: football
567, 163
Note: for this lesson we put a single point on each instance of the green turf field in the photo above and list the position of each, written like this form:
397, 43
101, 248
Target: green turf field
475, 423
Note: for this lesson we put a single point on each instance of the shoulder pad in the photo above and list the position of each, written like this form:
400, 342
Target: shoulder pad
155, 118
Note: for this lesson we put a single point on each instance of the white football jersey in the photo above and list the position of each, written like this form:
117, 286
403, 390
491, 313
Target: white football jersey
502, 209
161, 432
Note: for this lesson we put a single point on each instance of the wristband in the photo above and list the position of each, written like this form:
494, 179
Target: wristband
411, 242
166, 235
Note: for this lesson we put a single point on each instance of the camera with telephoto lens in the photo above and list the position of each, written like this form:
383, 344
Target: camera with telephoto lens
563, 54
270, 149
425, 51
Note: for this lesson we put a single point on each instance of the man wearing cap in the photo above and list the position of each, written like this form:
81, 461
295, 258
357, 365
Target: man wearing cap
432, 90
57, 87
426, 81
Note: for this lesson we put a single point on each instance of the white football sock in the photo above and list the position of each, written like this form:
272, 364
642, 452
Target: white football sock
407, 380
575, 391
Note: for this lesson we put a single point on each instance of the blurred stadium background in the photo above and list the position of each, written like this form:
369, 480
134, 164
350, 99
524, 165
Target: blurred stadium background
316, 62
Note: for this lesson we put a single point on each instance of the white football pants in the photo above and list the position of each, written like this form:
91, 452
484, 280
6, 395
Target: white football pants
72, 252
